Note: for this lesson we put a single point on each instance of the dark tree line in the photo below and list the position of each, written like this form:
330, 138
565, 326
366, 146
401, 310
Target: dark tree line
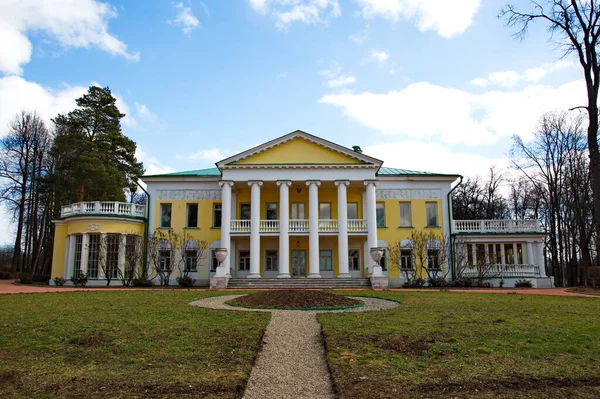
82, 156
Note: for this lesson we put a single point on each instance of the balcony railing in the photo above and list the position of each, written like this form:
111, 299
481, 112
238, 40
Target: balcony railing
103, 207
497, 226
498, 270
298, 226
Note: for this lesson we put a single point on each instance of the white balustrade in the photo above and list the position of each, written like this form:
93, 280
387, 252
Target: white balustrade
103, 207
269, 226
328, 225
240, 226
357, 225
499, 270
298, 225
497, 226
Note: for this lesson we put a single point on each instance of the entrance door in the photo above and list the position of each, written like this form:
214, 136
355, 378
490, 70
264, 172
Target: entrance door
298, 263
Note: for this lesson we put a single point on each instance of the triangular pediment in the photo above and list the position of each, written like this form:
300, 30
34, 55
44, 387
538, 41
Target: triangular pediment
299, 148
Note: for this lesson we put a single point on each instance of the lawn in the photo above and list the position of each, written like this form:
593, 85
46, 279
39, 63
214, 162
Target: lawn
135, 344
467, 345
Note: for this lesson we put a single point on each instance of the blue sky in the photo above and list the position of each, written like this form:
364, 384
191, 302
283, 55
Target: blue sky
428, 85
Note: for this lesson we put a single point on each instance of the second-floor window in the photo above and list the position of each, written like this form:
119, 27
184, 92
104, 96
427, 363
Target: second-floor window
271, 211
405, 215
217, 214
352, 210
165, 215
245, 211
432, 214
380, 213
324, 210
297, 210
192, 215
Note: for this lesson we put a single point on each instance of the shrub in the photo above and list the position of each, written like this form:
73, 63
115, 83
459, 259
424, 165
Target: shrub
483, 284
523, 284
463, 282
59, 281
416, 283
142, 282
438, 282
186, 281
25, 278
5, 275
501, 283
79, 280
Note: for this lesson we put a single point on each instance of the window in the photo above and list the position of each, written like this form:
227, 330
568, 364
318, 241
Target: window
112, 255
433, 259
192, 215
217, 213
354, 260
191, 260
77, 255
324, 210
271, 211
326, 260
245, 211
297, 210
93, 255
406, 259
432, 214
244, 263
380, 213
132, 255
405, 215
165, 215
352, 210
271, 260
164, 260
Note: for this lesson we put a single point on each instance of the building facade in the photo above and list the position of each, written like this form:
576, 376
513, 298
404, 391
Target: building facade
295, 207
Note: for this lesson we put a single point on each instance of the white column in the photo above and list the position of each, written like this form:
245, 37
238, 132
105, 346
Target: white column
284, 226
503, 254
342, 204
540, 258
102, 257
372, 222
530, 252
85, 243
222, 269
474, 252
487, 254
371, 214
231, 261
313, 227
515, 254
71, 257
122, 249
255, 229
494, 254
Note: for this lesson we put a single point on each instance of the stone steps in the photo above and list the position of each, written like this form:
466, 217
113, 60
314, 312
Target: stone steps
298, 283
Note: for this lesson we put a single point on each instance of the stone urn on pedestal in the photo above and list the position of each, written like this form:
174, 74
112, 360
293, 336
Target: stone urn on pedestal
378, 280
220, 279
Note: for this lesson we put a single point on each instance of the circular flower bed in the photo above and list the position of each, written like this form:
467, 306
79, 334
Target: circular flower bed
295, 299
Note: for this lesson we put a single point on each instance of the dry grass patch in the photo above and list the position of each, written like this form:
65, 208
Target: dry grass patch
294, 299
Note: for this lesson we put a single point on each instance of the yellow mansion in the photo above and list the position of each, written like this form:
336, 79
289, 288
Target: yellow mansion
295, 208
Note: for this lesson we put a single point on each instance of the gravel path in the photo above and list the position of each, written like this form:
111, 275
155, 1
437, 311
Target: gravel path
292, 361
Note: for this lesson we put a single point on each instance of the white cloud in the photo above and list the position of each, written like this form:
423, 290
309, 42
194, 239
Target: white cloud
380, 56
72, 23
530, 75
144, 113
185, 18
152, 165
426, 111
335, 77
447, 18
432, 157
286, 12
360, 37
212, 155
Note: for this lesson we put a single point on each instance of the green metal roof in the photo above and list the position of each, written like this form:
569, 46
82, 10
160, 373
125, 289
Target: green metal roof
405, 172
215, 172
210, 172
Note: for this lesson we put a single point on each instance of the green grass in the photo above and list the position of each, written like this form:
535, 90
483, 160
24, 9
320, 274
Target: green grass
467, 345
128, 344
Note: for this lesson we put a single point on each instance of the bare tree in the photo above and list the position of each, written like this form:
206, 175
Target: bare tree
133, 256
162, 249
108, 257
574, 26
191, 253
479, 198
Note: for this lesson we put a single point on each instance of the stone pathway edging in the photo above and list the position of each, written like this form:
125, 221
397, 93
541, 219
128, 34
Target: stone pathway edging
292, 361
